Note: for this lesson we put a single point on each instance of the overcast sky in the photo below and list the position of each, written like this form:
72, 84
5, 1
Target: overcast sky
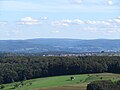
78, 19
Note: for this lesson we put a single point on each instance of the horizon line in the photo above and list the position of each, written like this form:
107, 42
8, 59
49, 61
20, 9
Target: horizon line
64, 38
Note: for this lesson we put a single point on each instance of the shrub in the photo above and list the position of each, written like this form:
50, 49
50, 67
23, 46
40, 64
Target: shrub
102, 85
2, 86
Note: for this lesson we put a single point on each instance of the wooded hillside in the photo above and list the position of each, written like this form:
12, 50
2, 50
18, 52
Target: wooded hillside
18, 68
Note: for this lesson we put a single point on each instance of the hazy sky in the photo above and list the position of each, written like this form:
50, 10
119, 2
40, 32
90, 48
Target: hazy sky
81, 19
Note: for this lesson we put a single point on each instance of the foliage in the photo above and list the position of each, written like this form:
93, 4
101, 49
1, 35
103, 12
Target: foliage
20, 68
2, 86
104, 85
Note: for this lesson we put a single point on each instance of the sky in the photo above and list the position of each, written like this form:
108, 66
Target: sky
75, 19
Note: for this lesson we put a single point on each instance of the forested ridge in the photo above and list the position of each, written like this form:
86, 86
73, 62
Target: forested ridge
19, 68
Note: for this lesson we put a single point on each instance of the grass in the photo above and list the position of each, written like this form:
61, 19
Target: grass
63, 82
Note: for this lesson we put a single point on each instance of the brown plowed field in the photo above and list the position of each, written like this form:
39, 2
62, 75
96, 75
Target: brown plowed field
66, 88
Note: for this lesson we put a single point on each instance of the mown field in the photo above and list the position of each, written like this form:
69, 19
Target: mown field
61, 82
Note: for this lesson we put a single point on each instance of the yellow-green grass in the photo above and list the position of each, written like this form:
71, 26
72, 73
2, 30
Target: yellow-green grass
51, 83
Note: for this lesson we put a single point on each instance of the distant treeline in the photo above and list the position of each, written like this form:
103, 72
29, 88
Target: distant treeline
18, 68
104, 85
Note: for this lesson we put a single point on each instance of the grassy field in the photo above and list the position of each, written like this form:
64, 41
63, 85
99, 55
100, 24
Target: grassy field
62, 82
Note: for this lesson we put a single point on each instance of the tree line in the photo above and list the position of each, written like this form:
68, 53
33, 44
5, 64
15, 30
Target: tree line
19, 68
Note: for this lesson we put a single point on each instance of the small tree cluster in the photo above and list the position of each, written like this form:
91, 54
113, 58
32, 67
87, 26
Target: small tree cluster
104, 85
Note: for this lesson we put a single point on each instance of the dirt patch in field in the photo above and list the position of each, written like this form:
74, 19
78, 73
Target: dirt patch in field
65, 88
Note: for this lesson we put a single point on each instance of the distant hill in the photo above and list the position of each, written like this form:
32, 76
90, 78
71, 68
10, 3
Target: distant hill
59, 45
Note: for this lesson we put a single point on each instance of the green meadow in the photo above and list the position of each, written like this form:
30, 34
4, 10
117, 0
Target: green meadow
56, 82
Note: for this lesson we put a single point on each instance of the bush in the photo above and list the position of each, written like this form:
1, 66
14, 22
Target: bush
2, 86
104, 85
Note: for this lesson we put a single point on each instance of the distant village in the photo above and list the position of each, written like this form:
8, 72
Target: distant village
87, 54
